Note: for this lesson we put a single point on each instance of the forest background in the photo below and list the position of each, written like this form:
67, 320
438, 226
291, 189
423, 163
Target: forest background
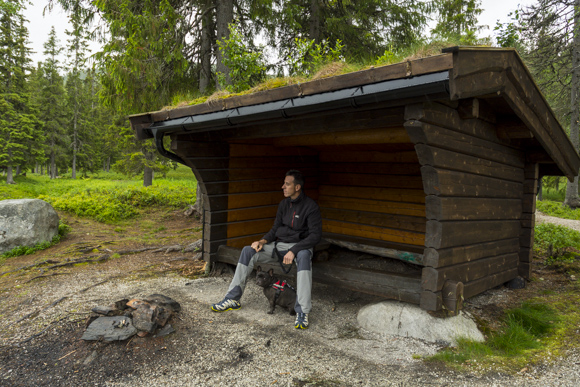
69, 118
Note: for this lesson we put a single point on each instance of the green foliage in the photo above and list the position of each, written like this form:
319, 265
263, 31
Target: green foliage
63, 229
508, 34
309, 57
105, 197
246, 65
555, 208
520, 332
555, 242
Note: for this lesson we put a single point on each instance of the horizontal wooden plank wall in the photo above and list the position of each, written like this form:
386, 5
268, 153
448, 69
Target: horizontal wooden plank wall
256, 173
373, 197
474, 182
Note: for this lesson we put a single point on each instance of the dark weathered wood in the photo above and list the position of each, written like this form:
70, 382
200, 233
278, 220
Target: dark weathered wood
433, 279
476, 108
440, 235
388, 194
372, 168
371, 156
528, 220
401, 222
513, 129
444, 182
446, 117
380, 251
461, 254
395, 135
261, 150
527, 237
385, 207
458, 208
424, 133
441, 158
452, 294
431, 301
473, 288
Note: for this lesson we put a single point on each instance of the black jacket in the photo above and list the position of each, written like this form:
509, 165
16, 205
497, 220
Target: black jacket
297, 221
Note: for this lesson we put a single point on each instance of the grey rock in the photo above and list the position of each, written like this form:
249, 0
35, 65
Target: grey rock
26, 222
406, 320
164, 301
115, 328
92, 357
166, 330
106, 310
144, 318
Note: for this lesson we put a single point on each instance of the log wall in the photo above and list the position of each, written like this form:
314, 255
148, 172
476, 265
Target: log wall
474, 182
373, 196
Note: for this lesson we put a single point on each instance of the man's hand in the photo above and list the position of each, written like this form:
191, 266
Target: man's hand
288, 258
259, 244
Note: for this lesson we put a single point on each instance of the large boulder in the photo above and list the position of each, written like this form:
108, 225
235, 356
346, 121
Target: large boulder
26, 222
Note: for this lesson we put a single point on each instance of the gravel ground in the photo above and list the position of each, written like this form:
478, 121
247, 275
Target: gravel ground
247, 347
543, 218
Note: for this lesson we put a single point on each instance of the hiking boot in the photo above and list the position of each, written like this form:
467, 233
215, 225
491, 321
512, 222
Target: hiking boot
301, 321
225, 305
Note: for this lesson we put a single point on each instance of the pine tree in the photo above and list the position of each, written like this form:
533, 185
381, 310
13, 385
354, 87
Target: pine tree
551, 31
77, 52
18, 124
51, 102
458, 19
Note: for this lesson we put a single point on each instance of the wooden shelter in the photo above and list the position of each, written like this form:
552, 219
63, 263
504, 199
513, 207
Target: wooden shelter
433, 161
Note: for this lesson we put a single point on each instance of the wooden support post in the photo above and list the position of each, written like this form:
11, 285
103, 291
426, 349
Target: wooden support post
531, 172
452, 294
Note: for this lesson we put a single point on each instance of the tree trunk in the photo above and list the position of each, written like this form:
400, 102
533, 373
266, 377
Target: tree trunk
18, 171
9, 176
147, 177
314, 21
206, 33
225, 15
75, 146
52, 165
572, 199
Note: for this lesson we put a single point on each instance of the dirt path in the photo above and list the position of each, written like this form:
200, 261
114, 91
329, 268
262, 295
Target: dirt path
543, 218
42, 321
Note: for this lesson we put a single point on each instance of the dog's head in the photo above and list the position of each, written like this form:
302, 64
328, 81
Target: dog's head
263, 278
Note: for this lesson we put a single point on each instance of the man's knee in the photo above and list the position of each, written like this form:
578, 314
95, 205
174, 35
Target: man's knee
246, 255
303, 260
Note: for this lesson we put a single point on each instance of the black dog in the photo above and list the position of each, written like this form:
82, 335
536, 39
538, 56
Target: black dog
277, 292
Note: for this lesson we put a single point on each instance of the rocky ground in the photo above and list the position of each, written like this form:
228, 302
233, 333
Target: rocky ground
43, 311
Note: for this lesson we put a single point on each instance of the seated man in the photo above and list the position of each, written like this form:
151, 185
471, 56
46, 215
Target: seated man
296, 230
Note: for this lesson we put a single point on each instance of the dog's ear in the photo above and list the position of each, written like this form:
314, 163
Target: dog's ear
271, 272
258, 269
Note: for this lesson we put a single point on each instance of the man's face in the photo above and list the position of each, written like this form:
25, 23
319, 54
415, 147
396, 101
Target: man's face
290, 189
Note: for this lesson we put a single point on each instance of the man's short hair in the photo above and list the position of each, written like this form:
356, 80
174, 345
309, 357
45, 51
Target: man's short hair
297, 175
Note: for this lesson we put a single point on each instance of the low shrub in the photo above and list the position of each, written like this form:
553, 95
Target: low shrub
554, 208
556, 242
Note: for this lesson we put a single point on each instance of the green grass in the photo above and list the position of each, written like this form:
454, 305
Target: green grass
556, 208
106, 197
524, 330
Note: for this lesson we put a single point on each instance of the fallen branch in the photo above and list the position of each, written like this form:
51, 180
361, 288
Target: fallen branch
34, 265
125, 252
70, 353
101, 258
41, 332
44, 276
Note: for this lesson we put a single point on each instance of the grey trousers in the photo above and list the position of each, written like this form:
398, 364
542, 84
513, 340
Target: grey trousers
249, 258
